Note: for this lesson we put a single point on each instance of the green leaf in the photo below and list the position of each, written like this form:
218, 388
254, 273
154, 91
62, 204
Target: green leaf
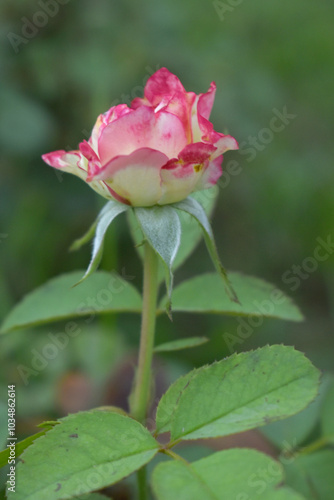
57, 300
104, 219
20, 447
291, 432
312, 475
327, 415
169, 401
195, 209
230, 474
206, 294
244, 391
162, 229
177, 345
191, 231
86, 452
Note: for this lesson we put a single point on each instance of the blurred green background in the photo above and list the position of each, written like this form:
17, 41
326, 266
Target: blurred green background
87, 56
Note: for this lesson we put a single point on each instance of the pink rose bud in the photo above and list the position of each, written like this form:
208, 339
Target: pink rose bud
156, 152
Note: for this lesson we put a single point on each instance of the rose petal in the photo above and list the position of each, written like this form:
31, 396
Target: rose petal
135, 177
210, 175
66, 161
161, 85
224, 143
103, 120
197, 152
94, 164
205, 101
164, 91
74, 163
142, 128
179, 180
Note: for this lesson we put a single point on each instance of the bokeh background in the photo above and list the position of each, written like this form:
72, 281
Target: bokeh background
55, 79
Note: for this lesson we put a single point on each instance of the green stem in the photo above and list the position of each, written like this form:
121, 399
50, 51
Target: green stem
315, 446
142, 484
140, 397
174, 455
141, 393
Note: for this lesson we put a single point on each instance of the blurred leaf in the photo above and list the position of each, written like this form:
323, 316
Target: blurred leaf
57, 300
91, 449
206, 294
327, 415
312, 475
3, 421
195, 209
242, 392
230, 474
289, 433
177, 345
92, 496
105, 293
25, 126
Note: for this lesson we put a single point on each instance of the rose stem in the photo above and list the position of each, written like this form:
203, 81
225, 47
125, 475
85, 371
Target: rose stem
142, 385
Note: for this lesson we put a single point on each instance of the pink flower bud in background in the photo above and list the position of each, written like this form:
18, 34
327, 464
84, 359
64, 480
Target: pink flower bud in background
155, 152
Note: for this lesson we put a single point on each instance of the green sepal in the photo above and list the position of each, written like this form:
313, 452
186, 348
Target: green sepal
162, 230
195, 209
79, 242
103, 221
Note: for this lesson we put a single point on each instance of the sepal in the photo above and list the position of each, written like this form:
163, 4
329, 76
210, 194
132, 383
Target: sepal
108, 213
195, 209
161, 227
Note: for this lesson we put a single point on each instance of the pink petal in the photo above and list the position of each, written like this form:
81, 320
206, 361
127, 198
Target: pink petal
225, 143
103, 120
66, 161
164, 91
197, 152
141, 157
74, 163
161, 85
139, 101
142, 128
205, 101
115, 112
181, 175
135, 177
179, 180
94, 164
211, 174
